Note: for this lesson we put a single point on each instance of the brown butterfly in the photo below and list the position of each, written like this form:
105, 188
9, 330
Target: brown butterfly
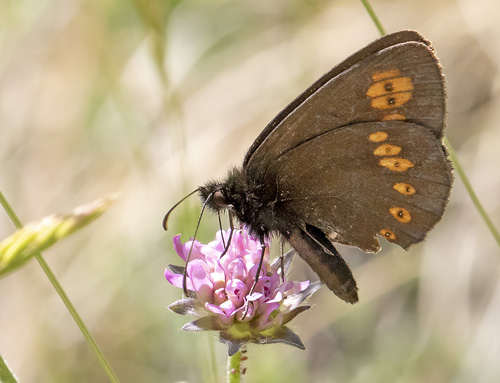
359, 154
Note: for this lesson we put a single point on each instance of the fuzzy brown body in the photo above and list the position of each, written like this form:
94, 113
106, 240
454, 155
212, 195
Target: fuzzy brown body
254, 205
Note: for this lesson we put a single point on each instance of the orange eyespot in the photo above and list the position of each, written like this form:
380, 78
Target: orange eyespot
378, 136
392, 100
382, 88
403, 188
388, 234
387, 150
396, 164
401, 214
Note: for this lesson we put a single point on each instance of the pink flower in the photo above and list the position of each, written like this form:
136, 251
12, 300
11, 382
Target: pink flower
219, 291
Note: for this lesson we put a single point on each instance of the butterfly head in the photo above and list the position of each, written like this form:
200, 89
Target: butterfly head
230, 193
245, 202
215, 195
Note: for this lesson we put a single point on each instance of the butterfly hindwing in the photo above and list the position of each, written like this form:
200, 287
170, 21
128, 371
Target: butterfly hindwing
353, 186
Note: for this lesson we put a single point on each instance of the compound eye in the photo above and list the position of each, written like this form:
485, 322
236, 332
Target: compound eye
219, 199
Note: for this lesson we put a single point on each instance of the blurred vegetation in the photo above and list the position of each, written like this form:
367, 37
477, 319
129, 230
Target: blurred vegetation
152, 98
28, 241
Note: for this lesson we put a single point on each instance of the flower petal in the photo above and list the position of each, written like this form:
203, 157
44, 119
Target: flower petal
220, 296
179, 247
220, 287
237, 269
297, 287
214, 308
236, 291
199, 274
177, 280
264, 320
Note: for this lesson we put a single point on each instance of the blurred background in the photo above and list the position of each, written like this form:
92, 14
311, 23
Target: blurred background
152, 98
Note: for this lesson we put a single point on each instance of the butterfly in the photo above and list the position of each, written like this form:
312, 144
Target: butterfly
357, 156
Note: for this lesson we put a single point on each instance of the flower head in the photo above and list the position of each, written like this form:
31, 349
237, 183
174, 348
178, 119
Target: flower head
220, 291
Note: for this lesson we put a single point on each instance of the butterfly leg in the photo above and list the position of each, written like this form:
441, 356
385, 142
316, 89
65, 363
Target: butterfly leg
259, 268
313, 246
282, 262
231, 225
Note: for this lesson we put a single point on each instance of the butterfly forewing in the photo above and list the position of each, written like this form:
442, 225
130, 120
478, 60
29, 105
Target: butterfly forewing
376, 46
383, 86
403, 83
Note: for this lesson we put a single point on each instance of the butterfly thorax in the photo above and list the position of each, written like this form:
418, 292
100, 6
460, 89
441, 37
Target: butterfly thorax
246, 201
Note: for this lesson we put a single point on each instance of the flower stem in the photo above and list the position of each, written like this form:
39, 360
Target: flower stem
374, 17
76, 317
235, 367
13, 216
213, 360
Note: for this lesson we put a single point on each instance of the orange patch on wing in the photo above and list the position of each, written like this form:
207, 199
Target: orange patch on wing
388, 234
378, 136
396, 164
403, 188
394, 85
387, 150
401, 214
387, 74
393, 116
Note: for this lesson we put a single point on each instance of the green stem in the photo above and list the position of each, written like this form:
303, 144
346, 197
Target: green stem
374, 17
475, 200
10, 211
6, 375
76, 317
213, 360
235, 367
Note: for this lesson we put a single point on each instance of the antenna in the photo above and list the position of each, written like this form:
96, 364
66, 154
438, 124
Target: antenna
165, 219
184, 277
